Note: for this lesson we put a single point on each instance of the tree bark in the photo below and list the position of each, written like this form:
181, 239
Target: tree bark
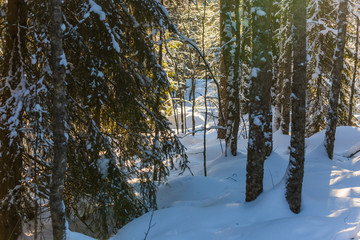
297, 149
226, 61
351, 103
236, 84
260, 81
59, 118
336, 79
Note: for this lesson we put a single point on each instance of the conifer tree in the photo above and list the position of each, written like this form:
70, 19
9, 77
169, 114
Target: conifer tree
120, 143
13, 88
321, 46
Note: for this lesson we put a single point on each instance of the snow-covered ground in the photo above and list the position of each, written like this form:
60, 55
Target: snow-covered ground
214, 207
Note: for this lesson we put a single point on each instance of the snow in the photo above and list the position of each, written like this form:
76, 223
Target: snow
213, 207
94, 7
254, 72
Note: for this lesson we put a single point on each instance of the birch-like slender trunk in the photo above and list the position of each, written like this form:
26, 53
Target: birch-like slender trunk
59, 117
206, 89
336, 79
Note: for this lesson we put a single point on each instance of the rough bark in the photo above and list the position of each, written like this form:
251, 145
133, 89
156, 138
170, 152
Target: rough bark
297, 142
236, 85
336, 79
226, 61
11, 144
260, 81
351, 101
59, 117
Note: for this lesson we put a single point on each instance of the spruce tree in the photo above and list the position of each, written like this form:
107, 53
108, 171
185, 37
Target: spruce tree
13, 89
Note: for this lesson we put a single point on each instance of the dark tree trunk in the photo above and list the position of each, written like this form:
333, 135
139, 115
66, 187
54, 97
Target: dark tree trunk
206, 90
59, 118
260, 82
226, 61
285, 101
236, 84
297, 150
351, 103
11, 144
336, 79
193, 85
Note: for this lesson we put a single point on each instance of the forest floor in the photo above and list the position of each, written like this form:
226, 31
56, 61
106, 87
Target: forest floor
214, 207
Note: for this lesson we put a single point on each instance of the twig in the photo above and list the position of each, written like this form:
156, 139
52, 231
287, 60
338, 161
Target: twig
150, 224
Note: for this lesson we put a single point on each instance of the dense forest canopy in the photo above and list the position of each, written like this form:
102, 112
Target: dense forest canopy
87, 88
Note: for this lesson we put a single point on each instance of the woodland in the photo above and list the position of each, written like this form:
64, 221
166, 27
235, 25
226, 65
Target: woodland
99, 98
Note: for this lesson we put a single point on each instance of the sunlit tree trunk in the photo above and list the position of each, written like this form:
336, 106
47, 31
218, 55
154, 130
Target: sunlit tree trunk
226, 59
336, 79
355, 71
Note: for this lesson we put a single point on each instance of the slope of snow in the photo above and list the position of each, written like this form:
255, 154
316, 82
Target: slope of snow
213, 207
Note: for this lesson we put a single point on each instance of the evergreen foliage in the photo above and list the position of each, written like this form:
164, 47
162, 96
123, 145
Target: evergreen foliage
120, 143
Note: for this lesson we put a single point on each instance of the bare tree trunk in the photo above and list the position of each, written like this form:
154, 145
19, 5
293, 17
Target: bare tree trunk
11, 146
206, 89
355, 71
298, 97
59, 118
193, 89
336, 79
261, 78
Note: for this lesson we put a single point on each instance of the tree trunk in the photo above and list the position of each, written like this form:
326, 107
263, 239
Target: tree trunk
206, 90
336, 79
277, 80
236, 84
297, 149
286, 106
355, 71
226, 60
10, 136
59, 118
261, 77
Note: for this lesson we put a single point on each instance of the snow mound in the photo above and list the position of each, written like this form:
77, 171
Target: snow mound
213, 207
